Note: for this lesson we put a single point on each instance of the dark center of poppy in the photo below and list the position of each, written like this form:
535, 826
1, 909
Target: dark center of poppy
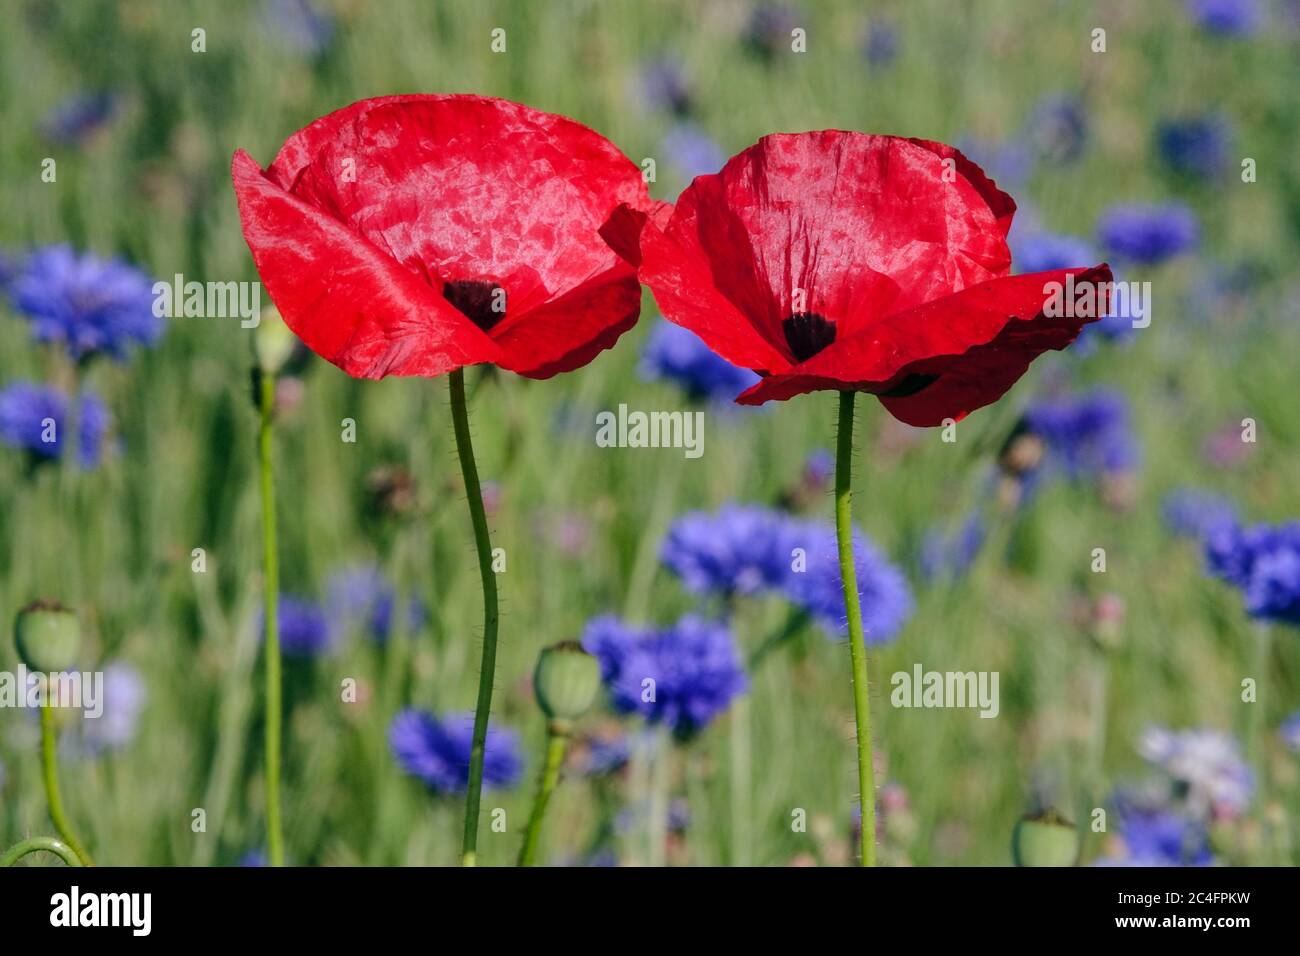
483, 302
910, 385
807, 333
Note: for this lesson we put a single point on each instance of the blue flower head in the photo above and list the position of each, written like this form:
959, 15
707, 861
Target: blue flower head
1290, 731
664, 87
87, 304
815, 583
1263, 562
436, 750
1147, 235
79, 117
35, 418
1206, 765
949, 554
881, 44
124, 698
676, 354
691, 151
1198, 514
362, 596
681, 677
1226, 18
1157, 837
1058, 128
740, 549
305, 629
1087, 435
300, 24
1196, 146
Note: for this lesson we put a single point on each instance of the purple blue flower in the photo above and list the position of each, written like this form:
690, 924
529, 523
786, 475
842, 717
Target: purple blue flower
881, 44
87, 304
1206, 765
768, 31
1085, 435
363, 596
125, 696
300, 23
739, 549
691, 151
79, 116
681, 677
1146, 234
436, 750
1161, 838
1264, 563
1226, 18
1057, 127
1290, 731
1196, 146
949, 554
664, 86
306, 630
1192, 513
676, 354
35, 418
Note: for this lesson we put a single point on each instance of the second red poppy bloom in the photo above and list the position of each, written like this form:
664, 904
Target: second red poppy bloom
845, 261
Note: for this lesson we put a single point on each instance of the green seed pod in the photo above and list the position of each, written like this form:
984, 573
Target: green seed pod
48, 636
566, 681
273, 342
1045, 839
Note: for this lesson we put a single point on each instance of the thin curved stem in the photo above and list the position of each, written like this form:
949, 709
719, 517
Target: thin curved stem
50, 766
36, 845
487, 669
271, 622
853, 610
555, 746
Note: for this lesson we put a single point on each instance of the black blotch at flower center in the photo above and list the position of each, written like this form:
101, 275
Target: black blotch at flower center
483, 302
910, 385
807, 333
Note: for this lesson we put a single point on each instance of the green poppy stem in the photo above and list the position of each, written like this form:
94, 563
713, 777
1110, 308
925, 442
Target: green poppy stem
487, 669
555, 747
36, 845
271, 622
50, 766
853, 609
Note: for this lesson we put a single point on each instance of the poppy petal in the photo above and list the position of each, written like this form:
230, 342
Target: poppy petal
948, 357
347, 300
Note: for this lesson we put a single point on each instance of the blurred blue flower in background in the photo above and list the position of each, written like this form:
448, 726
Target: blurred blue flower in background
89, 305
883, 591
1227, 18
78, 117
1160, 838
1037, 250
1147, 234
300, 23
1196, 146
1057, 128
949, 554
767, 33
1192, 513
1264, 563
881, 44
678, 355
694, 665
125, 696
739, 549
691, 152
363, 596
819, 467
437, 750
1086, 435
1206, 765
254, 858
1290, 731
664, 86
1009, 162
27, 409
305, 629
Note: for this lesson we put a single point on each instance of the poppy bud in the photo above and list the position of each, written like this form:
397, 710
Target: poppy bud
48, 636
1045, 839
565, 682
273, 342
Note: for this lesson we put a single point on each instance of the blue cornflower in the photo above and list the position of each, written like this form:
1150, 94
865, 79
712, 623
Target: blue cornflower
436, 750
305, 629
1010, 161
881, 44
1198, 514
35, 418
124, 698
1148, 234
947, 554
678, 355
1085, 435
691, 151
255, 858
819, 467
1206, 765
1290, 731
79, 116
1058, 128
1036, 250
1226, 18
769, 29
664, 87
88, 304
1161, 838
300, 24
740, 549
814, 583
1264, 563
362, 595
1195, 146
681, 677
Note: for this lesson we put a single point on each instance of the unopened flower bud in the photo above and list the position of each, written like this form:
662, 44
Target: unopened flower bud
1045, 839
273, 342
48, 636
566, 681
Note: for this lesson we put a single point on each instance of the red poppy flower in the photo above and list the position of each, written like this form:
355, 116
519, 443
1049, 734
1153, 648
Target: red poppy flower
836, 260
412, 235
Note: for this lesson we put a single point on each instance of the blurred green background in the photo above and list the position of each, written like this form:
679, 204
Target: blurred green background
151, 184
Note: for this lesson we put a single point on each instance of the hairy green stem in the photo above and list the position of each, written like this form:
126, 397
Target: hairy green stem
271, 623
36, 845
556, 741
487, 669
50, 766
853, 610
